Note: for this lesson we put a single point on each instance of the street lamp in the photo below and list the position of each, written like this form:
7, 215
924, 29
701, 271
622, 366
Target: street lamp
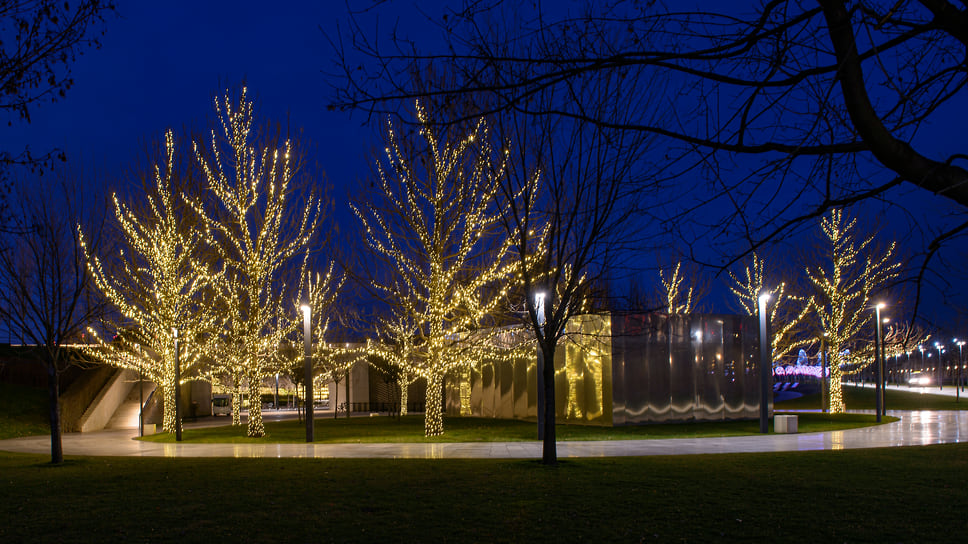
307, 341
766, 363
961, 365
940, 369
824, 386
878, 363
178, 421
539, 310
141, 393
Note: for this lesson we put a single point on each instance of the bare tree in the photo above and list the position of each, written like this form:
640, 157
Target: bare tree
575, 190
41, 40
45, 290
825, 100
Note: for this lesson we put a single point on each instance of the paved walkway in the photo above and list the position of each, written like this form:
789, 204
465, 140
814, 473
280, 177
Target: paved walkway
914, 429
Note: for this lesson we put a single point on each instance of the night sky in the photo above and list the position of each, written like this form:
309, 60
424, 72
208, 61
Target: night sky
161, 63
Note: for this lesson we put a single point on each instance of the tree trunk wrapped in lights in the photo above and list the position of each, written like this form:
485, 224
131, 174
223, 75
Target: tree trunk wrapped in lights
159, 282
677, 299
259, 231
437, 231
842, 300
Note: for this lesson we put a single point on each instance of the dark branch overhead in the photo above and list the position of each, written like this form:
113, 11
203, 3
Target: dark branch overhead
777, 115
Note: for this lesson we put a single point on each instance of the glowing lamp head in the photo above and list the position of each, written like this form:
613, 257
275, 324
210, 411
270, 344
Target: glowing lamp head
764, 298
306, 310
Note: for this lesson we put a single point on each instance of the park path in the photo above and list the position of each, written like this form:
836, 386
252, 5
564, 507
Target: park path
913, 429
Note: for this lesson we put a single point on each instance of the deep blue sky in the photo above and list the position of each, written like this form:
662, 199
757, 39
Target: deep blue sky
161, 63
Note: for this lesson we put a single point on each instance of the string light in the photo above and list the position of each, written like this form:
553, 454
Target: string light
844, 294
451, 275
256, 234
158, 283
677, 302
747, 289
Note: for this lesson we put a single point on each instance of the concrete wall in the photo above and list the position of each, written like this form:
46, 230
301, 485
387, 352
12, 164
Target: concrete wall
106, 403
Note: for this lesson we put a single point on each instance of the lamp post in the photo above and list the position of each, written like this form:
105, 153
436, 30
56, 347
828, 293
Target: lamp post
766, 363
940, 369
907, 365
961, 366
178, 421
307, 349
539, 311
141, 393
878, 363
823, 373
921, 349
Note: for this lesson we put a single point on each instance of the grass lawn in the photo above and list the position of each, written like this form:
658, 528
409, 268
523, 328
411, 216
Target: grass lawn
472, 429
23, 411
882, 495
862, 398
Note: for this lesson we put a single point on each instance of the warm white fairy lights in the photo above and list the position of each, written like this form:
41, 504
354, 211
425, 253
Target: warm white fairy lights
746, 289
841, 305
256, 232
678, 299
158, 281
436, 228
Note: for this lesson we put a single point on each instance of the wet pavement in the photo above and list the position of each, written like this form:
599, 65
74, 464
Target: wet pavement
913, 429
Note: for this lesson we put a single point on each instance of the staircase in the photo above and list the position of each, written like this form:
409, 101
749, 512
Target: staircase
126, 416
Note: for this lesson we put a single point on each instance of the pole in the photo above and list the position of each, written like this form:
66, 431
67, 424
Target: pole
878, 364
307, 353
540, 315
961, 367
960, 385
823, 374
940, 370
178, 421
141, 397
766, 365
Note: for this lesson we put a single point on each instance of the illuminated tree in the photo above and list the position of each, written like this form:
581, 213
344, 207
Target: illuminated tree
159, 282
784, 324
259, 232
436, 231
678, 299
330, 362
903, 338
398, 354
842, 302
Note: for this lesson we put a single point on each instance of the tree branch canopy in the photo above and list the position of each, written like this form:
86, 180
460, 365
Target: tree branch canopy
780, 112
